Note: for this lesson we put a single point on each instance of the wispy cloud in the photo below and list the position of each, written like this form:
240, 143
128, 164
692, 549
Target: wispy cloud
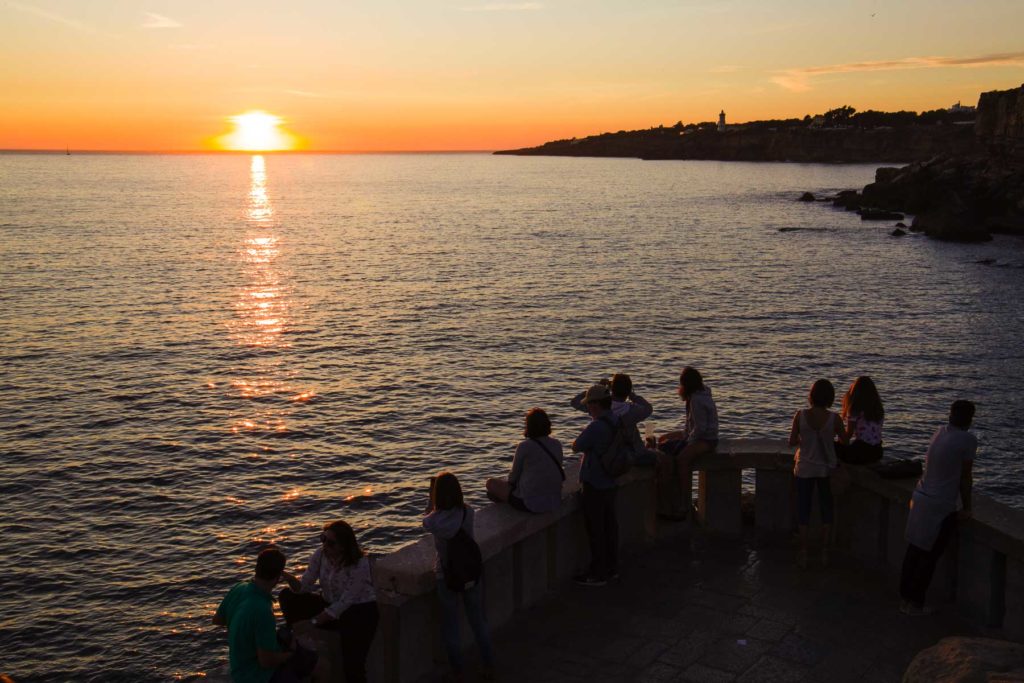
505, 7
51, 16
159, 21
799, 80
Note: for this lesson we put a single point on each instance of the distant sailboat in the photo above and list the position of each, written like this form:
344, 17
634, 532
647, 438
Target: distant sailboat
67, 150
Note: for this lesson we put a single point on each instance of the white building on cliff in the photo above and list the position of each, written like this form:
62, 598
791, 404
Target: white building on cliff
721, 121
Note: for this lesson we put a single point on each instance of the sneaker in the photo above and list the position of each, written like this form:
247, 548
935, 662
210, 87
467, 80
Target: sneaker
590, 580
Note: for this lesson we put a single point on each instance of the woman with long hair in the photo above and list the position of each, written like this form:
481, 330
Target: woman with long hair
447, 515
864, 414
698, 436
346, 601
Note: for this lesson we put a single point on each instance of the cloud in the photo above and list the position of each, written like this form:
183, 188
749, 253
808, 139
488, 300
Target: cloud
505, 7
159, 21
51, 16
799, 80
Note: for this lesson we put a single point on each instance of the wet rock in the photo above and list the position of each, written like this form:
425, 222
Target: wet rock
807, 197
952, 222
871, 214
803, 229
901, 225
959, 660
887, 173
898, 233
847, 199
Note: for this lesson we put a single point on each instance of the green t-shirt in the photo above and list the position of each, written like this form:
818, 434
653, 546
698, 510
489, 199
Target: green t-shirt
248, 610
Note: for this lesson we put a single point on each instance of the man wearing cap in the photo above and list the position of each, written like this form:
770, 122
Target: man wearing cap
632, 409
597, 492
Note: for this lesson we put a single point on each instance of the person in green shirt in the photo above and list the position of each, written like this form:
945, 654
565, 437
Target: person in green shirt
247, 610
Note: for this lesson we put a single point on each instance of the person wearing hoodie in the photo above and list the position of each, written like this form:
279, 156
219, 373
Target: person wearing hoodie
698, 436
447, 512
629, 408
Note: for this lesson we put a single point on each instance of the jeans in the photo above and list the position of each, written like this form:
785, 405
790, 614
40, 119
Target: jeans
356, 627
472, 599
805, 499
602, 530
919, 565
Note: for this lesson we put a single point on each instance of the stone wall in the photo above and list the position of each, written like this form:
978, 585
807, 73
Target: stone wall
529, 556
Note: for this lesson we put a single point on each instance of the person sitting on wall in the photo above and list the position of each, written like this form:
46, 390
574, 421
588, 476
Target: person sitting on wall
535, 482
346, 602
863, 414
254, 651
699, 434
629, 407
933, 514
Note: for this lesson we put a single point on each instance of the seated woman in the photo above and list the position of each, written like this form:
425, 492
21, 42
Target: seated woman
535, 482
863, 412
698, 436
346, 603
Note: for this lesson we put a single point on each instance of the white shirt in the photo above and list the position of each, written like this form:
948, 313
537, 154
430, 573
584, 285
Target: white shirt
341, 586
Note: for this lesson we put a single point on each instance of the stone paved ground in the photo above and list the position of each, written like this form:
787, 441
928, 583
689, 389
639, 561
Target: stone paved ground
721, 610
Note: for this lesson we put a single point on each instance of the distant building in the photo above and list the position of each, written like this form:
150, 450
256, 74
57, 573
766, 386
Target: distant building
721, 121
960, 109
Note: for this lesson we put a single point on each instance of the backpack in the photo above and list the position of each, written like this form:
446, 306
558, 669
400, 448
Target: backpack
616, 459
465, 563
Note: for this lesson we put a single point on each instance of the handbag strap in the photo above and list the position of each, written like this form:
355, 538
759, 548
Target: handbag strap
551, 455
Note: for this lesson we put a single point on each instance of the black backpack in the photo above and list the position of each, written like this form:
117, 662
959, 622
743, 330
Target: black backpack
465, 563
616, 459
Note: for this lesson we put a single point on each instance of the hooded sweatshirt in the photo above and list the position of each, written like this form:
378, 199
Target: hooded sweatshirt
701, 417
444, 524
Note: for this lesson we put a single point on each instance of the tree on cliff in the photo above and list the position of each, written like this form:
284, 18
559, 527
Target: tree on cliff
840, 116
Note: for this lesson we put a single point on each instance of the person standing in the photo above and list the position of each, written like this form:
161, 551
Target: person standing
815, 430
597, 487
947, 476
631, 408
447, 516
346, 602
247, 610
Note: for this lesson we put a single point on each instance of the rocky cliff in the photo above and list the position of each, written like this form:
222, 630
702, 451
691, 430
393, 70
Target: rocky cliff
801, 144
1000, 122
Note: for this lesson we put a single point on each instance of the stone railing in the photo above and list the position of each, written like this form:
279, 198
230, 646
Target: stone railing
526, 556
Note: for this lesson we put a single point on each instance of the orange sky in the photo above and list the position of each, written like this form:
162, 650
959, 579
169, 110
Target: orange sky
423, 75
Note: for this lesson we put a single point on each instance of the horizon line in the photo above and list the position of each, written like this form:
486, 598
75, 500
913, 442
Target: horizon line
66, 151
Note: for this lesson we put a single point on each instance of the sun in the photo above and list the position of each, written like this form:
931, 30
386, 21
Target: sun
257, 131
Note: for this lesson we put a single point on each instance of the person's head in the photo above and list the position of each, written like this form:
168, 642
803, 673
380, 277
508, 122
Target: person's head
961, 414
537, 424
597, 399
270, 564
622, 386
862, 399
822, 395
340, 543
447, 492
690, 382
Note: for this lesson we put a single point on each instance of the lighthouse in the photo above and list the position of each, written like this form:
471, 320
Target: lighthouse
721, 121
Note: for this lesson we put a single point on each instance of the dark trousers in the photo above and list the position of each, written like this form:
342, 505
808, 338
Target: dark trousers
805, 498
602, 529
356, 627
858, 453
919, 565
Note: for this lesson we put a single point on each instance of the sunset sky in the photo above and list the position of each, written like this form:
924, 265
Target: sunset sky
476, 74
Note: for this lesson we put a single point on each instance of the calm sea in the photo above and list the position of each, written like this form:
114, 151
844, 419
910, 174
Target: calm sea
205, 354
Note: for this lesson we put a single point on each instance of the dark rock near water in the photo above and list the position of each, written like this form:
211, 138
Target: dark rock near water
807, 197
803, 229
898, 233
869, 214
901, 225
847, 199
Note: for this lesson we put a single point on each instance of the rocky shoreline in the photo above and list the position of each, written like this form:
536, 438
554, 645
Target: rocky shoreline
959, 198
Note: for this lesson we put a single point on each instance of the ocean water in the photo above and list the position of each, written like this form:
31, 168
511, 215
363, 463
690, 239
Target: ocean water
205, 354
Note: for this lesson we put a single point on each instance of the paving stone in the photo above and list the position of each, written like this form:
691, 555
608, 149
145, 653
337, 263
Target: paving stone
659, 672
698, 673
766, 629
734, 654
800, 650
772, 670
645, 655
685, 653
619, 650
